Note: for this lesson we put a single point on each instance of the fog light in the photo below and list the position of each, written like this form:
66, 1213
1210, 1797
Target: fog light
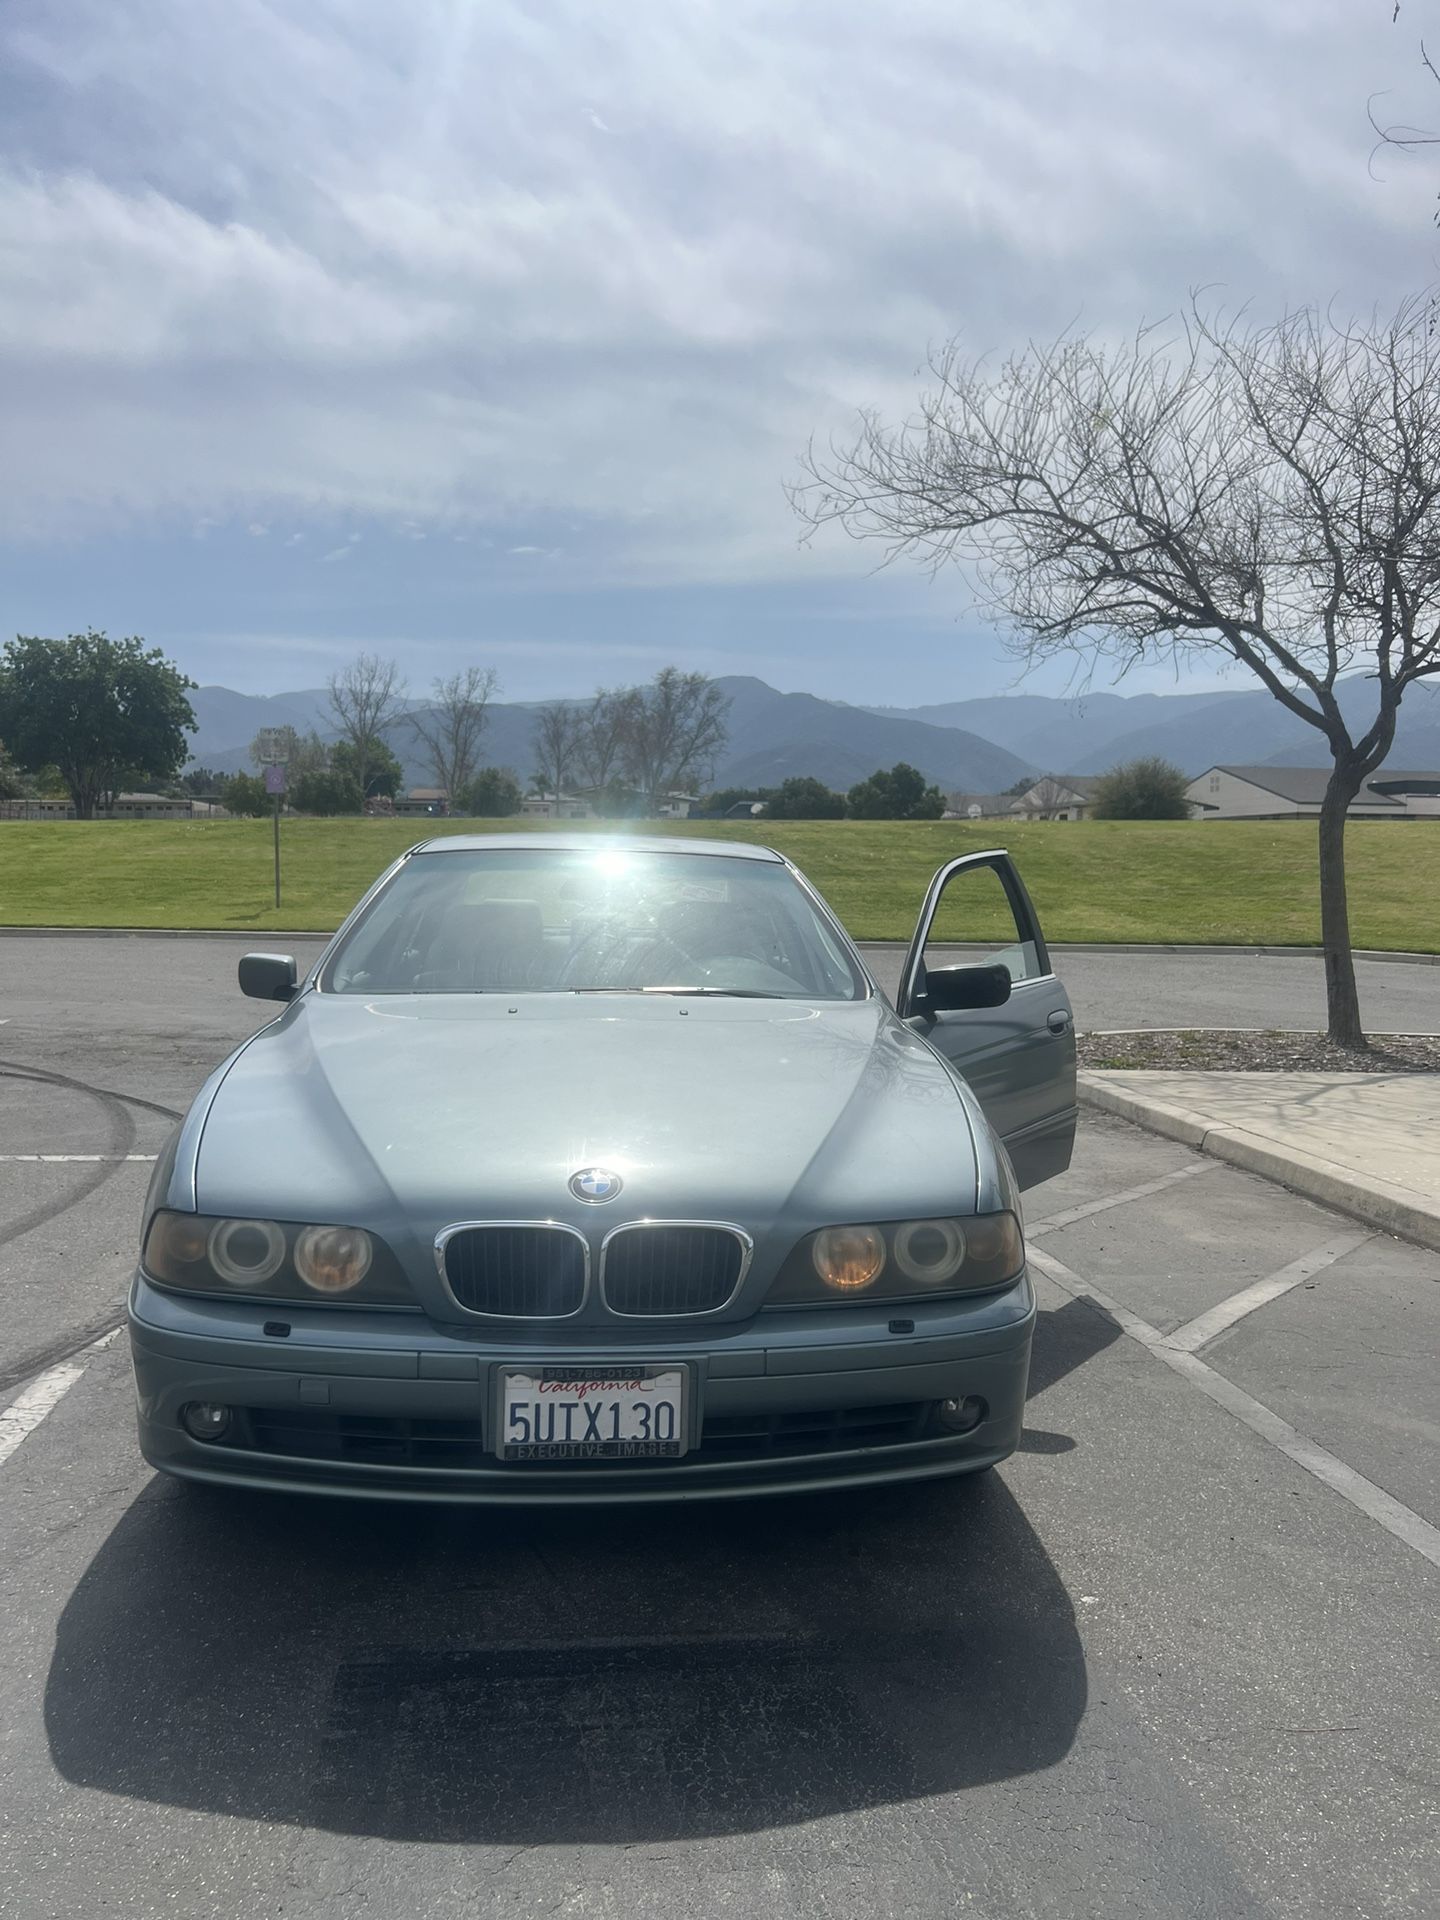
960, 1416
205, 1419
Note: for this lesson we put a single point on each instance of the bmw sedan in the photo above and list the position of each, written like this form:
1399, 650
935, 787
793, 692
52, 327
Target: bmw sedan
584, 1169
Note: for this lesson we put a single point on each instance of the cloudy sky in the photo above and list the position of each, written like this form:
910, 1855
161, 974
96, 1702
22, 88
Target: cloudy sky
479, 330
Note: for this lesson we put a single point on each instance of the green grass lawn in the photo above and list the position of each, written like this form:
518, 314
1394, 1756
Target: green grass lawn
1221, 882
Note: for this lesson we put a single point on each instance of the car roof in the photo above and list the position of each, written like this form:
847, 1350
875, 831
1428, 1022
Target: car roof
592, 842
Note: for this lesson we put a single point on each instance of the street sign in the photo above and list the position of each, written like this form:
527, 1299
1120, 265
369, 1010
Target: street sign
275, 777
271, 748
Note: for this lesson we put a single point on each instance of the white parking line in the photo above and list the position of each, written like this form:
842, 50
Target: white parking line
1388, 1512
42, 1396
1205, 1326
68, 1159
1072, 1214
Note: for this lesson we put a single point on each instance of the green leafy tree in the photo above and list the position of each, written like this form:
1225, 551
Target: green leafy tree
201, 783
331, 792
12, 785
373, 770
108, 714
494, 794
805, 798
724, 798
900, 794
244, 793
1147, 789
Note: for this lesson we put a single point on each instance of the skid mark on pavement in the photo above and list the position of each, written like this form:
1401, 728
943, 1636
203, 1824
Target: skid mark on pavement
75, 1159
1381, 1507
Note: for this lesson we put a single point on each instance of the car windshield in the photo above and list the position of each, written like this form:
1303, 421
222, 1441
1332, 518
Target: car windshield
601, 920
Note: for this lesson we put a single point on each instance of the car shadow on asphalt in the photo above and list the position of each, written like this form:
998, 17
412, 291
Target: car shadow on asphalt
604, 1677
1065, 1339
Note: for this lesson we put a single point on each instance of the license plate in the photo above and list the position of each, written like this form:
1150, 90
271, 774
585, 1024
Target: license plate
581, 1413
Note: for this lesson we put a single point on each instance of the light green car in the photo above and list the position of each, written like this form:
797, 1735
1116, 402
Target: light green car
601, 1170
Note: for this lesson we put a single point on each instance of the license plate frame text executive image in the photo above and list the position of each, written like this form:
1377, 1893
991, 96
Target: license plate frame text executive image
628, 1397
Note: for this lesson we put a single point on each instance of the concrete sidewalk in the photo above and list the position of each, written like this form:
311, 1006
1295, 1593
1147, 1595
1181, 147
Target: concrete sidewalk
1366, 1143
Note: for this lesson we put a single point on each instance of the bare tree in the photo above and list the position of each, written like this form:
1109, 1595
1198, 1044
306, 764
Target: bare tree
602, 736
672, 730
365, 698
556, 743
1397, 134
451, 727
1268, 494
302, 752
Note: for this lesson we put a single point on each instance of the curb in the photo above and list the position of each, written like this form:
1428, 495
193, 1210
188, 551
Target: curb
1375, 1202
253, 934
1387, 955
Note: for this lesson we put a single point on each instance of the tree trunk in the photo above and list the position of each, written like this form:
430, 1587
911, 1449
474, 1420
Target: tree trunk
1341, 998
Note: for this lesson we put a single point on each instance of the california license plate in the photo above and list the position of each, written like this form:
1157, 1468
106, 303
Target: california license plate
582, 1413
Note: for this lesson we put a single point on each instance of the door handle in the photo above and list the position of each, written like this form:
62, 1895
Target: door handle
1058, 1021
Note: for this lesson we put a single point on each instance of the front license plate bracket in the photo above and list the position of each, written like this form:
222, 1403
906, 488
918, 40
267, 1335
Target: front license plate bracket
571, 1414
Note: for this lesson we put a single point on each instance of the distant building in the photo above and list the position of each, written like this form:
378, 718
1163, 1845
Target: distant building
431, 802
581, 805
128, 806
1068, 796
1287, 793
980, 806
556, 806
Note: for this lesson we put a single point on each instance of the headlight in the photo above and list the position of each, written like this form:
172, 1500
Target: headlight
332, 1259
905, 1260
272, 1260
930, 1251
247, 1253
848, 1258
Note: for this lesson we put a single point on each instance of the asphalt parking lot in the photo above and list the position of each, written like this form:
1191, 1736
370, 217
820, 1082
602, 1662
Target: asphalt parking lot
1177, 1658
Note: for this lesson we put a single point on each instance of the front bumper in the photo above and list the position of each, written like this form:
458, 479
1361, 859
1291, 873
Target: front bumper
790, 1405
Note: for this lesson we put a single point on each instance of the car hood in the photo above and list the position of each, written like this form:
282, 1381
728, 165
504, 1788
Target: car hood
436, 1108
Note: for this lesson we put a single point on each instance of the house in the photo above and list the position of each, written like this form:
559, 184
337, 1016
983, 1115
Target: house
1418, 793
1069, 796
128, 806
429, 801
980, 806
553, 806
1291, 793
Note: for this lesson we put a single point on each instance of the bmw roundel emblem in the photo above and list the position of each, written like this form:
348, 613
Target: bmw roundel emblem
595, 1184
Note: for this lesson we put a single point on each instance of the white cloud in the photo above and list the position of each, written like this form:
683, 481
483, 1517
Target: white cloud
450, 266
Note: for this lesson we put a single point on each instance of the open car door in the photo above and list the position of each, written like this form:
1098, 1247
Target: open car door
1016, 1049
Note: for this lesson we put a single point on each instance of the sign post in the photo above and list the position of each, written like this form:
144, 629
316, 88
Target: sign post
270, 750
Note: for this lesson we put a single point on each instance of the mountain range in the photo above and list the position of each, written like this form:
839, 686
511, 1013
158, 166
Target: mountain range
981, 745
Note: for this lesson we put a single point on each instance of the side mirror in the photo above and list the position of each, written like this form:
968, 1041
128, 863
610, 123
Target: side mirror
957, 989
268, 976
